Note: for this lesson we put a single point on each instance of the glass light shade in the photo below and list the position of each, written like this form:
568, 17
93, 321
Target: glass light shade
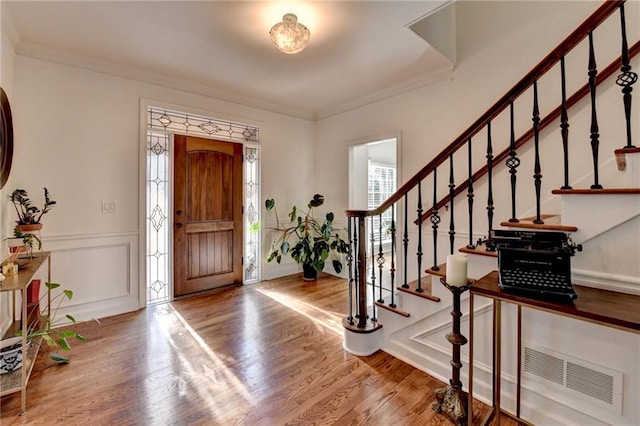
290, 36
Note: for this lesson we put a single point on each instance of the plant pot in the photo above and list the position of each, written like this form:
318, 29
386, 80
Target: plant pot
29, 227
11, 354
16, 251
309, 273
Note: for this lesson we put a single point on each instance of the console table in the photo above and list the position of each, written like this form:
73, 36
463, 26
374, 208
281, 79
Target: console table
608, 308
16, 381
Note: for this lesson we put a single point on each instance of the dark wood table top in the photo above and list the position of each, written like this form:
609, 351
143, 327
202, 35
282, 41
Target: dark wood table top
609, 308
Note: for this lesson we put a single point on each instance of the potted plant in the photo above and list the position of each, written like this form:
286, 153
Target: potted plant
47, 329
309, 241
22, 242
29, 215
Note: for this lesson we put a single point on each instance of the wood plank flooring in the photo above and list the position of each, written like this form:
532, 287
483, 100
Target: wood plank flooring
263, 354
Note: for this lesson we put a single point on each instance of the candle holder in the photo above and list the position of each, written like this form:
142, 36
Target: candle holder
452, 400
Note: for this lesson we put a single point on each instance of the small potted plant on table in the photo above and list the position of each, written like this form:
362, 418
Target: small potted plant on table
29, 216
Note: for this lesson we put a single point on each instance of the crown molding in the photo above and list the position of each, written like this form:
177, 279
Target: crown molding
48, 53
9, 27
442, 74
51, 54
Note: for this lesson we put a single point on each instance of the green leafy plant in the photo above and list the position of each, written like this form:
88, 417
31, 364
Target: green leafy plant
28, 214
28, 239
309, 241
49, 327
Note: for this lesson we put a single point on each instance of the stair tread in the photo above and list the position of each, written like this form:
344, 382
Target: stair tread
426, 286
552, 222
440, 272
479, 250
627, 150
394, 310
603, 191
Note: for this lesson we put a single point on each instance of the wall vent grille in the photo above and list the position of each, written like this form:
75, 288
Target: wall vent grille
596, 389
590, 382
544, 365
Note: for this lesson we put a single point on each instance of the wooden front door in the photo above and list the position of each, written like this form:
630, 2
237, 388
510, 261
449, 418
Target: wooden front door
207, 214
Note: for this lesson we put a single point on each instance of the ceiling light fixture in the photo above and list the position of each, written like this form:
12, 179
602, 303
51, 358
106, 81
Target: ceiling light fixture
290, 36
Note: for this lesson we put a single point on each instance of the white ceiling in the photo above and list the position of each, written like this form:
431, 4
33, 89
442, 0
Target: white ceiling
360, 51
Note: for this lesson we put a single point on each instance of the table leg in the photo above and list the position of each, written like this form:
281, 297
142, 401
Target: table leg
23, 384
497, 349
519, 364
470, 402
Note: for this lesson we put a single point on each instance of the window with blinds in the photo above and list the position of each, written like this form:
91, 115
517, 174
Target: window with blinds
382, 183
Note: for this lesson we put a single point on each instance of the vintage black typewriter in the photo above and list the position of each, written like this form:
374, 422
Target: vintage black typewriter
535, 264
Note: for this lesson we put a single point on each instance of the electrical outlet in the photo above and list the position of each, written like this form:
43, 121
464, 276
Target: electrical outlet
109, 206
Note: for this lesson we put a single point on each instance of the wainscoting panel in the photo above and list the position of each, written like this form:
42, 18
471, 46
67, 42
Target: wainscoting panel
101, 270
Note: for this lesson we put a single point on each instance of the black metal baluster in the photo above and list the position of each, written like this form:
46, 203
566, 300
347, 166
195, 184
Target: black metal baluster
537, 176
490, 206
356, 251
419, 253
512, 163
435, 221
628, 78
564, 126
350, 264
392, 270
405, 240
595, 136
381, 259
470, 197
452, 187
373, 271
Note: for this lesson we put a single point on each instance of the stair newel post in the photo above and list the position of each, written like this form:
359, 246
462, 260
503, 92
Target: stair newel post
419, 252
628, 78
512, 163
372, 240
381, 259
470, 196
435, 221
452, 187
361, 311
564, 125
595, 136
405, 240
361, 336
537, 175
489, 157
350, 266
392, 269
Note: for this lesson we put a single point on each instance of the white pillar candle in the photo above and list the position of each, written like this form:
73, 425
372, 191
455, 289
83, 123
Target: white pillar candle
456, 270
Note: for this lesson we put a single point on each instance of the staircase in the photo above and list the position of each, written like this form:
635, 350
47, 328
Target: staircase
573, 168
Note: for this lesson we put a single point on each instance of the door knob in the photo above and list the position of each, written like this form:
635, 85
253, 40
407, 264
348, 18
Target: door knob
179, 225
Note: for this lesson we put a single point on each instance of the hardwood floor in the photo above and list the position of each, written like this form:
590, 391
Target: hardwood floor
263, 354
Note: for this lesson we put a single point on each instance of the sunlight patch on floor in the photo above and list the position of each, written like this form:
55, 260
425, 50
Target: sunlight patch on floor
330, 320
210, 378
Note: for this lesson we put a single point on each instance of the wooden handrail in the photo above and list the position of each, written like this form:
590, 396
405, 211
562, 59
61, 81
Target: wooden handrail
546, 121
593, 21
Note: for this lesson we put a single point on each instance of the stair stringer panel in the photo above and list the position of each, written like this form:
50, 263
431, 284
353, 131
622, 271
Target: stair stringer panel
423, 344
